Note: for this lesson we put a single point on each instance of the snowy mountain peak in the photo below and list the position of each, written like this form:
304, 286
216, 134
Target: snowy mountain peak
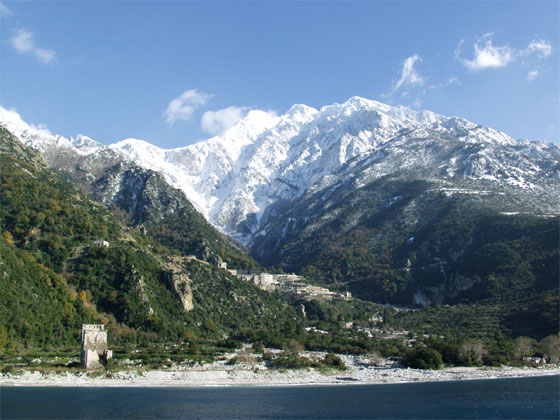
236, 177
357, 102
254, 123
37, 137
136, 147
84, 141
85, 145
301, 113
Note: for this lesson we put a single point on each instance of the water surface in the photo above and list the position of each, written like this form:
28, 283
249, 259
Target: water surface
521, 398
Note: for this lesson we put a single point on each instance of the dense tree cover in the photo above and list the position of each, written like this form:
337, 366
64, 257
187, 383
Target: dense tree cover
403, 242
38, 308
47, 216
56, 278
189, 233
292, 360
536, 317
423, 358
435, 352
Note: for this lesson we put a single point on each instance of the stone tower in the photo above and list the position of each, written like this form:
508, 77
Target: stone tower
94, 346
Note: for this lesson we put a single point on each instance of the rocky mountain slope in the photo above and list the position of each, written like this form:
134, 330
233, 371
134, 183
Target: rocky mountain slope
236, 177
140, 197
394, 204
265, 160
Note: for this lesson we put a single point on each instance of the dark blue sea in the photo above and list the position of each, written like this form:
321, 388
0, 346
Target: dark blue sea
524, 398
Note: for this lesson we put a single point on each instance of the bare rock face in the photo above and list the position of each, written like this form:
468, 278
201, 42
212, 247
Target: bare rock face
180, 282
141, 289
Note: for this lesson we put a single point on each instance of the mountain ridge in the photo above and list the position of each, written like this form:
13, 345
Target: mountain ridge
234, 177
394, 205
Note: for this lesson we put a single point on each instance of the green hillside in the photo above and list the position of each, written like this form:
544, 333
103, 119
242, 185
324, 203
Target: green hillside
55, 278
411, 242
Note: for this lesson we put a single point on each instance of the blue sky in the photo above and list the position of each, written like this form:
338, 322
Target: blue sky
175, 72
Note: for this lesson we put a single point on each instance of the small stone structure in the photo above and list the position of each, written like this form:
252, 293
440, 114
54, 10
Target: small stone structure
291, 284
101, 244
94, 346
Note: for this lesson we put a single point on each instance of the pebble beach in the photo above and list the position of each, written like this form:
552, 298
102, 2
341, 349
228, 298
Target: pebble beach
257, 374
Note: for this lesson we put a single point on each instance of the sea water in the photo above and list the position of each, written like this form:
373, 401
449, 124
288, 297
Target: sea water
521, 398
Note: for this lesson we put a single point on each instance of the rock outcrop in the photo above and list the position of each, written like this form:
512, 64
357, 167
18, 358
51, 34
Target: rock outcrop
180, 282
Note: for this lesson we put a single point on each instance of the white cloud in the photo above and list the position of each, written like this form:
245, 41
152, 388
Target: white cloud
11, 119
409, 75
486, 54
451, 81
409, 85
417, 102
10, 116
183, 106
4, 10
24, 43
533, 74
215, 122
540, 47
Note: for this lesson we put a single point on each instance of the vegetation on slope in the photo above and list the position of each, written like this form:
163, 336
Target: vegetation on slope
54, 268
53, 279
38, 308
146, 201
410, 242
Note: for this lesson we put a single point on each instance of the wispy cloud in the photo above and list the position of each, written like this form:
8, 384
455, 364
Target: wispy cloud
410, 83
24, 43
489, 56
532, 75
418, 102
486, 54
183, 106
215, 122
4, 10
409, 75
451, 81
540, 47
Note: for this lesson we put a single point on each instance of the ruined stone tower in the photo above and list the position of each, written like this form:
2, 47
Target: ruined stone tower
94, 346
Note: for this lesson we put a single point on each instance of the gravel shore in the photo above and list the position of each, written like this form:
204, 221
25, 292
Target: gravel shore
256, 374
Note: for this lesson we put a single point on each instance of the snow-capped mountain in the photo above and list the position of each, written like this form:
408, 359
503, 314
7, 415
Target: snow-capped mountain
43, 140
234, 177
265, 159
396, 205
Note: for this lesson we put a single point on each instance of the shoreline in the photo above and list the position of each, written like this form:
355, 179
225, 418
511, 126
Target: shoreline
269, 378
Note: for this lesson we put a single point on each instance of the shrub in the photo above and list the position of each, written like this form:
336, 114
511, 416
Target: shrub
288, 360
258, 347
334, 361
423, 358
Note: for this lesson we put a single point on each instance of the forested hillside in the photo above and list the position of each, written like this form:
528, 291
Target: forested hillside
55, 276
405, 241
